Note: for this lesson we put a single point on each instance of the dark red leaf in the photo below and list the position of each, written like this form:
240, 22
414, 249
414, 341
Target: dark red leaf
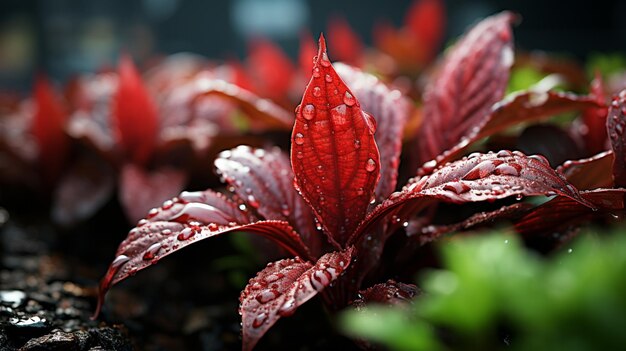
426, 20
551, 141
562, 213
388, 293
82, 190
594, 118
49, 129
184, 220
141, 190
271, 69
517, 108
333, 151
615, 124
478, 177
589, 173
473, 77
135, 114
307, 51
391, 111
264, 179
279, 289
345, 44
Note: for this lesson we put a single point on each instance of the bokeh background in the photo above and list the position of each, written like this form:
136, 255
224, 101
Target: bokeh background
65, 37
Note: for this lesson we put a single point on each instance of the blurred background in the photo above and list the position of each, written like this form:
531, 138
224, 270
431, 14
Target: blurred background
65, 37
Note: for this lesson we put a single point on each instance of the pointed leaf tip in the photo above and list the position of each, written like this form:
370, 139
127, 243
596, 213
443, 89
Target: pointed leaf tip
333, 152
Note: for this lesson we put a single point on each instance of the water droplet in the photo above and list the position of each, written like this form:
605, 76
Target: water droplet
456, 187
259, 320
213, 227
518, 197
166, 232
288, 308
482, 169
242, 207
119, 261
153, 212
317, 92
285, 210
357, 144
167, 204
308, 112
328, 78
569, 251
252, 201
267, 295
299, 155
541, 159
152, 251
274, 277
473, 155
186, 233
504, 153
299, 139
370, 166
319, 168
405, 224
619, 128
348, 99
360, 191
508, 169
142, 222
324, 60
316, 72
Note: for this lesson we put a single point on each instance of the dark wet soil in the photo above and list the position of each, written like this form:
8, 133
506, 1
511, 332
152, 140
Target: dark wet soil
49, 275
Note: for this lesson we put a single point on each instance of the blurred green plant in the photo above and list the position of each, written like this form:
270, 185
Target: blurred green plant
606, 63
494, 294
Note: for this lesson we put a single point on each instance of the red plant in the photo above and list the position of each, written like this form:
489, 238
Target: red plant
335, 208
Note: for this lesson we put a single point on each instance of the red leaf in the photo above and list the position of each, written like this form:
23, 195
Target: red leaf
272, 69
140, 190
184, 220
563, 213
594, 118
388, 293
333, 151
82, 190
473, 77
279, 289
615, 124
307, 51
589, 173
479, 177
426, 20
265, 180
135, 114
344, 42
517, 108
49, 129
391, 111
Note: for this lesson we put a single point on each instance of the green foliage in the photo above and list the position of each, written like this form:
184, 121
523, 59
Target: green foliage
522, 78
607, 64
495, 294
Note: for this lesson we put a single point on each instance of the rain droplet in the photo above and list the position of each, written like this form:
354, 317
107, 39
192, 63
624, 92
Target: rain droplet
242, 207
348, 99
319, 168
357, 144
142, 222
508, 169
457, 187
288, 308
324, 60
252, 201
267, 295
371, 123
317, 92
316, 72
213, 227
152, 251
370, 166
308, 112
360, 191
167, 204
186, 233
153, 212
504, 153
328, 78
259, 320
285, 210
299, 139
166, 232
299, 155
119, 261
541, 159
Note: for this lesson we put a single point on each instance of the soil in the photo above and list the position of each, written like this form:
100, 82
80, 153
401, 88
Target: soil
48, 289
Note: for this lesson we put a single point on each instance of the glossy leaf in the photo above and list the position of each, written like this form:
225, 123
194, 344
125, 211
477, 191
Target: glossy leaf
561, 213
594, 118
589, 173
388, 293
615, 124
426, 20
345, 44
271, 69
391, 111
184, 220
478, 177
135, 114
49, 129
333, 151
140, 190
279, 289
472, 78
265, 180
526, 106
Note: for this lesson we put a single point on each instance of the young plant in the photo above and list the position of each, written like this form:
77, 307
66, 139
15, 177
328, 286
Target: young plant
335, 207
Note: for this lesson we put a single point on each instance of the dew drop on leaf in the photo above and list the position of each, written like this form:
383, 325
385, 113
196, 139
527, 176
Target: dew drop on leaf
370, 166
299, 139
308, 112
